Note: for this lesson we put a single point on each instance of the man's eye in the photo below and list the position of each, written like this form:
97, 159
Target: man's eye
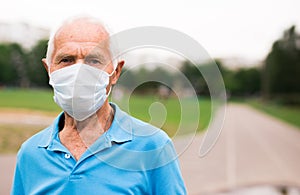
66, 60
93, 62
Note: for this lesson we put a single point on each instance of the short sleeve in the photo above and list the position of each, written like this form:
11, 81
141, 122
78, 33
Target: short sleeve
167, 179
17, 186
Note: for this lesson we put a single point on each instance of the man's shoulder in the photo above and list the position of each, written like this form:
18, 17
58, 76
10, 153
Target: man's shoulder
149, 136
149, 148
144, 135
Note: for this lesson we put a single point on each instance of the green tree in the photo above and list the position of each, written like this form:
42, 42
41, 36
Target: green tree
18, 60
194, 74
148, 81
247, 81
36, 72
127, 78
8, 73
282, 69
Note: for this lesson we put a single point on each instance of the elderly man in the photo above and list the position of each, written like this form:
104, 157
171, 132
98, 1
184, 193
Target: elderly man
93, 147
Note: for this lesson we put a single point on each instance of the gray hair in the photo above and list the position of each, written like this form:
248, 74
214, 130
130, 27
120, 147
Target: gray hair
89, 19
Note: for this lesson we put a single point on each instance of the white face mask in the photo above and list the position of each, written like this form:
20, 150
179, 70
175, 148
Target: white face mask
80, 89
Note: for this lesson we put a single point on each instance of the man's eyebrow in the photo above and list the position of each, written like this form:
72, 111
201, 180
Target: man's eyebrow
63, 55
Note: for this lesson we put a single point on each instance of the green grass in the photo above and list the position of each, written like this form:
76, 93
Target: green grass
289, 114
166, 114
41, 100
172, 115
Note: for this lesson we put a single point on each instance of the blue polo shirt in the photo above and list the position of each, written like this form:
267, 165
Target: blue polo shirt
132, 157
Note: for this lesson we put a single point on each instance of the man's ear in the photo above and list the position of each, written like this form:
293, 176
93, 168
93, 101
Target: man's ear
45, 64
117, 72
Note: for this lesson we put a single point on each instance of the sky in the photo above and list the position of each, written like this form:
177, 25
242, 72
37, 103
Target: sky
225, 28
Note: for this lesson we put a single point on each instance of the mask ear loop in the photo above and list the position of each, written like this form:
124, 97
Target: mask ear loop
112, 72
115, 67
111, 85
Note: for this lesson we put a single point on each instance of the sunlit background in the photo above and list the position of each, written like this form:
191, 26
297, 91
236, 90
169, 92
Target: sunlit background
255, 44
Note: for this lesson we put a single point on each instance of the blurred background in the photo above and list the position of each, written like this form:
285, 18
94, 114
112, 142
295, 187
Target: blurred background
255, 44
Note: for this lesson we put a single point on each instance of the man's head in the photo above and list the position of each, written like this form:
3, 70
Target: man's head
82, 40
79, 53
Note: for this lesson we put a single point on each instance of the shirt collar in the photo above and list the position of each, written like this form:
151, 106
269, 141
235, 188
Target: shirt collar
50, 132
121, 127
120, 130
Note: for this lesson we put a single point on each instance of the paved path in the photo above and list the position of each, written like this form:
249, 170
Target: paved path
7, 165
25, 117
253, 149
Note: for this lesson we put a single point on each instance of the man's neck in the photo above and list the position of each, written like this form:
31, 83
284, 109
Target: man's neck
77, 136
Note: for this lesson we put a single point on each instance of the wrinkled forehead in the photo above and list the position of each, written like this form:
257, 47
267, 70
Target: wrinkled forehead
82, 31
